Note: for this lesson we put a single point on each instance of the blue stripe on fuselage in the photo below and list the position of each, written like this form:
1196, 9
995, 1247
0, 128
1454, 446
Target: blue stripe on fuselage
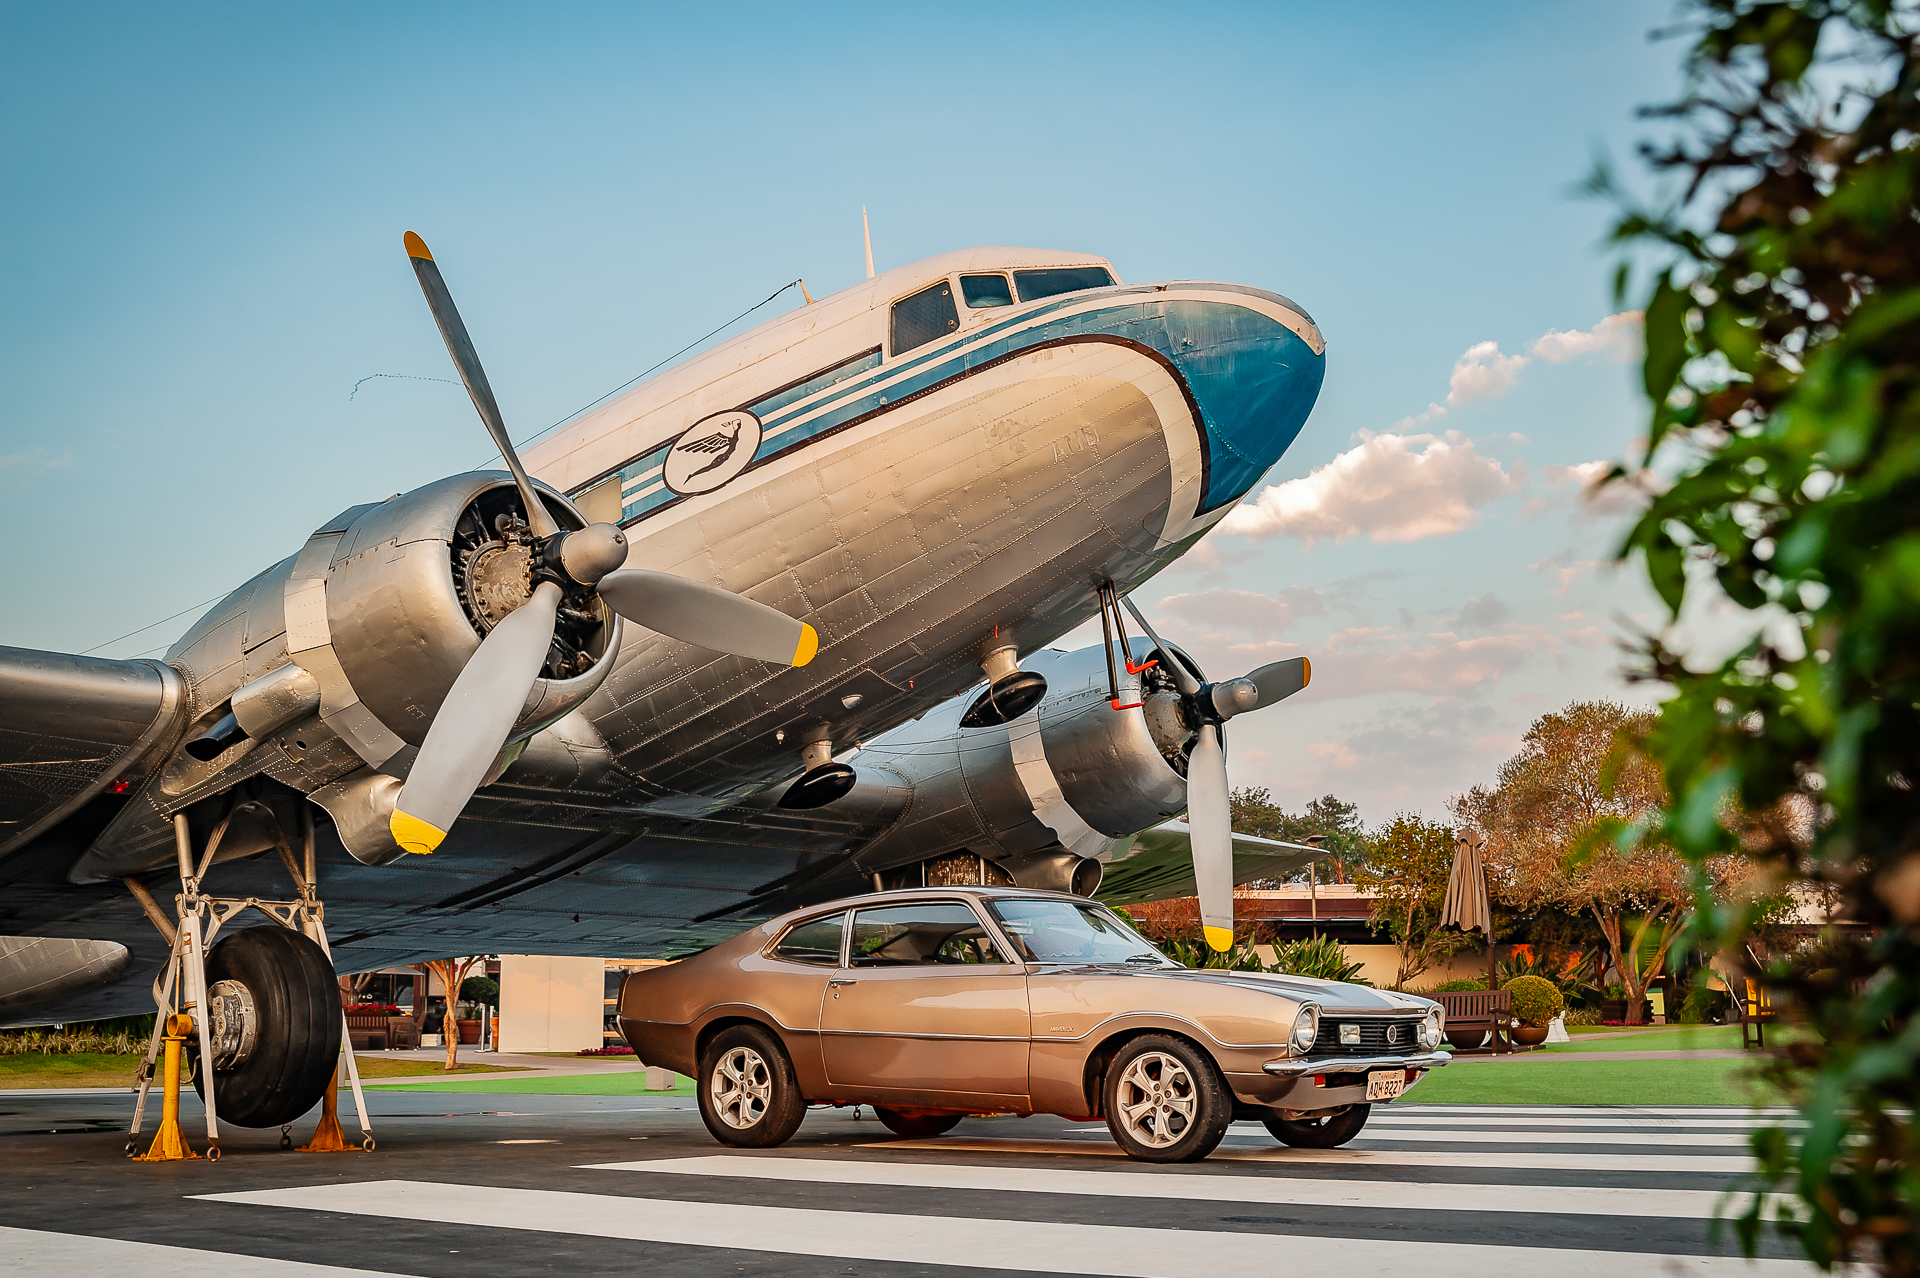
1253, 380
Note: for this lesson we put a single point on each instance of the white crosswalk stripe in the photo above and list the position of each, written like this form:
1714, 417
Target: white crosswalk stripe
1033, 1246
1444, 1191
1390, 1195
1265, 1151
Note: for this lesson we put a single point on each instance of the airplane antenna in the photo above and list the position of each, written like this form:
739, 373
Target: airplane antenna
867, 232
803, 291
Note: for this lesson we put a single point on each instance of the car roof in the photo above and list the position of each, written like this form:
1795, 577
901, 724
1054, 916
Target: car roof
904, 895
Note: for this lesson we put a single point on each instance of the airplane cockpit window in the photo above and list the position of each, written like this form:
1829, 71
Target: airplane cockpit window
815, 941
924, 317
901, 935
981, 291
1035, 285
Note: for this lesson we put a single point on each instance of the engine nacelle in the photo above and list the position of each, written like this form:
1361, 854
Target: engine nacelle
381, 608
1036, 798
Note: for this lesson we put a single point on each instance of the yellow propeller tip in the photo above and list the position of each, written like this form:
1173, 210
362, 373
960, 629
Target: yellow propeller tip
413, 834
1220, 938
1306, 671
809, 644
417, 247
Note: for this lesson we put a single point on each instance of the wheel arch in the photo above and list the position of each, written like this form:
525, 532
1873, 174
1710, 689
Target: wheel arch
1100, 1060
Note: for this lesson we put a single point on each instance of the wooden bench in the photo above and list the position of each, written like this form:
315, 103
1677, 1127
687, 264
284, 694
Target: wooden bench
1490, 1012
368, 1031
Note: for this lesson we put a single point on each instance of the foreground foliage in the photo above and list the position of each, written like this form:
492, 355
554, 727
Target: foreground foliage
1783, 350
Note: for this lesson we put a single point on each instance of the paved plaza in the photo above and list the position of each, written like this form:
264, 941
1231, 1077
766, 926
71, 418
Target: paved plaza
466, 1184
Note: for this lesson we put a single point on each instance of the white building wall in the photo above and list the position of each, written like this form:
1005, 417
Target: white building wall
550, 1004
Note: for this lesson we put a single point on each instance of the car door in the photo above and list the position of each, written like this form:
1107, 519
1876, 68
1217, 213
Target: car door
927, 1010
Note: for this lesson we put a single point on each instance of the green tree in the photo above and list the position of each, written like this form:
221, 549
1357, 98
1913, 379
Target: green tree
1408, 861
1577, 779
1327, 822
1782, 463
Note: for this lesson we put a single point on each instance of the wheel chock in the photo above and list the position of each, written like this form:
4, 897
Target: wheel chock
169, 1145
327, 1137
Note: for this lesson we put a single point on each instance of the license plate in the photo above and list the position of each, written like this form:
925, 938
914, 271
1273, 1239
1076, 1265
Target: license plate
1386, 1084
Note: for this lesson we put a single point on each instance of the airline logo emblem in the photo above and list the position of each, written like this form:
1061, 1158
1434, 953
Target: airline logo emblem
711, 452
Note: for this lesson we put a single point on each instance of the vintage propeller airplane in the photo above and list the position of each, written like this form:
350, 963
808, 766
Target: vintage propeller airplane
754, 638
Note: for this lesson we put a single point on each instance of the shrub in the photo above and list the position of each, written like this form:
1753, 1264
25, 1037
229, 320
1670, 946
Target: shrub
1535, 999
1322, 958
1460, 987
1193, 951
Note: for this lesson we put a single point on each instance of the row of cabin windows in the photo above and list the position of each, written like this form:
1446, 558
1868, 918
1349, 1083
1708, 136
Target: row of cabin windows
931, 313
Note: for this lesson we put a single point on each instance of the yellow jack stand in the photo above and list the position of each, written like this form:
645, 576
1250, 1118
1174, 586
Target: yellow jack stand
168, 1143
327, 1137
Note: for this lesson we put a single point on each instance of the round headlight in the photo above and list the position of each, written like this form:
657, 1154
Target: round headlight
1306, 1028
1430, 1030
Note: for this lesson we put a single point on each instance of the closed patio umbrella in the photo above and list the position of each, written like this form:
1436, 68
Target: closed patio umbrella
1467, 907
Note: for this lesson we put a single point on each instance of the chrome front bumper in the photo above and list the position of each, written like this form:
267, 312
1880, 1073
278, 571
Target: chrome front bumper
1355, 1064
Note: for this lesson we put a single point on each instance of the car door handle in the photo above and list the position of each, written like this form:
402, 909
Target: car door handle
831, 984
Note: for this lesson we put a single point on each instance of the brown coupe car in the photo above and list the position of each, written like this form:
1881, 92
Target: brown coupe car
935, 1003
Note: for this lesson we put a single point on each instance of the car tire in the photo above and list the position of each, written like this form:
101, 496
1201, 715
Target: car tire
749, 1097
292, 1001
1165, 1101
916, 1126
1322, 1131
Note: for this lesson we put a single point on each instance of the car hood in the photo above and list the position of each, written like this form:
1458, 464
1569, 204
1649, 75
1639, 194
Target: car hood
1332, 996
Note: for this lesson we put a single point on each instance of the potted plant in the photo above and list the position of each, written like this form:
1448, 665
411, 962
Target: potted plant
1536, 1001
469, 1025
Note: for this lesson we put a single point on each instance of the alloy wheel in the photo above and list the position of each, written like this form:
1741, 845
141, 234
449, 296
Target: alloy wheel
1156, 1099
741, 1087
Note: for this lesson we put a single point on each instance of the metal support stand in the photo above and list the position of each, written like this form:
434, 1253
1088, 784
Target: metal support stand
180, 995
169, 1143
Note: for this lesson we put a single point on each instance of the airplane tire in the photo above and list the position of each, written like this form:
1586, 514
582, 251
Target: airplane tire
296, 1027
1322, 1131
916, 1126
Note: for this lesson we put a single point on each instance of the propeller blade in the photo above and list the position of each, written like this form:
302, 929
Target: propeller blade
1281, 680
474, 721
467, 360
696, 613
1210, 826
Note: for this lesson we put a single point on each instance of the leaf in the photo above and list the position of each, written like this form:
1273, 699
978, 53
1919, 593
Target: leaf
1666, 338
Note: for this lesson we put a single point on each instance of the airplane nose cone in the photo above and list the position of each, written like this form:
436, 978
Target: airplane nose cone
1253, 361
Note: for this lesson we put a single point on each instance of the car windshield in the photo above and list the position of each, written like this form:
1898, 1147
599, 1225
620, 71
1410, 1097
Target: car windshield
1065, 932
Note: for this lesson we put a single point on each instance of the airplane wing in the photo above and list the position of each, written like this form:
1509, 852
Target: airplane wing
70, 727
1157, 864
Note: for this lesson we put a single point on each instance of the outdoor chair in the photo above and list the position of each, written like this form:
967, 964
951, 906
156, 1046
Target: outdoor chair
1755, 1010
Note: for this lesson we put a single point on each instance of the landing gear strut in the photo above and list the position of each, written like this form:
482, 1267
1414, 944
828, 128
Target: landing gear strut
258, 1015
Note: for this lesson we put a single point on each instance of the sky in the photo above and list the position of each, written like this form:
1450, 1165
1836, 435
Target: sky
202, 268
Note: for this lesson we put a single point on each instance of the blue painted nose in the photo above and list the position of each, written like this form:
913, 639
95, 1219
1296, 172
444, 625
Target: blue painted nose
1252, 376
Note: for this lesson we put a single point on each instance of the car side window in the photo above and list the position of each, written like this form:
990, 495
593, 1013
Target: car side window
815, 941
933, 932
924, 317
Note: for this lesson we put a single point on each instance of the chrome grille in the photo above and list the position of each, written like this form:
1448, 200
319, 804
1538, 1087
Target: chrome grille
1378, 1037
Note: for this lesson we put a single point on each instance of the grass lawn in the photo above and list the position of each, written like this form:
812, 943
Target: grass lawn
96, 1069
1681, 1038
624, 1083
77, 1069
1544, 1081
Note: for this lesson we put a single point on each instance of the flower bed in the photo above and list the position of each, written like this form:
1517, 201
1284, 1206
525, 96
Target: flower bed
622, 1050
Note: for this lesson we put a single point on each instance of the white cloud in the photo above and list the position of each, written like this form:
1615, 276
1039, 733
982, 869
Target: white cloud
1616, 335
1265, 617
1391, 487
1483, 373
26, 463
